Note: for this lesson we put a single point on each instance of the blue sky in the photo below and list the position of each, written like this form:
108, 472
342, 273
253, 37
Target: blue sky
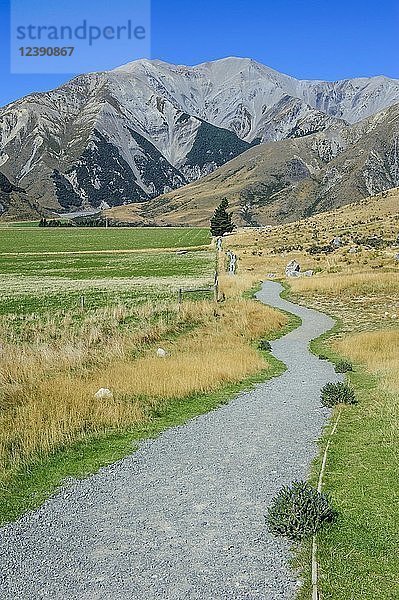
304, 38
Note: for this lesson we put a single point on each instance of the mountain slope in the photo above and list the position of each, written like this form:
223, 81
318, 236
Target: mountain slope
289, 179
146, 128
14, 202
236, 93
80, 145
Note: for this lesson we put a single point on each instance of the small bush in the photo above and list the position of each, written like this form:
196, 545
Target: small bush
299, 511
264, 345
323, 357
343, 366
337, 393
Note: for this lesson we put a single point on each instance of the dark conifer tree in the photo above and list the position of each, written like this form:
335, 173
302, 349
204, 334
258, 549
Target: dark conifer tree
221, 221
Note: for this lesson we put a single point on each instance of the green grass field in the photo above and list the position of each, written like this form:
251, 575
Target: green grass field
40, 240
18, 224
358, 555
97, 266
107, 266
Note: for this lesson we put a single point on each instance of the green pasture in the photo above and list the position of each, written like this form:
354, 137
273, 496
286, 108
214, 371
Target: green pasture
96, 266
43, 239
106, 266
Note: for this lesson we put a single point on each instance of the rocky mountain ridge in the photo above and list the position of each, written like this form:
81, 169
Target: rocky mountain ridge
147, 128
289, 179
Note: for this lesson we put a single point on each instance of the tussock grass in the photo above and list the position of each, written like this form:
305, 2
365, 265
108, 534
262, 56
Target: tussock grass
378, 351
36, 344
354, 283
266, 250
363, 301
48, 388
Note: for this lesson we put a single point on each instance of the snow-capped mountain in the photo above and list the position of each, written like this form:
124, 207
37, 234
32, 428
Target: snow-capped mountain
148, 127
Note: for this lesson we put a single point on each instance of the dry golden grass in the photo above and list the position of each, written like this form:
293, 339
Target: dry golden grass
216, 353
378, 350
355, 283
48, 386
235, 286
268, 250
61, 342
360, 287
363, 301
377, 215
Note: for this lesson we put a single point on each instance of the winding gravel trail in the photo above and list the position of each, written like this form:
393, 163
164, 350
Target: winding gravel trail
183, 517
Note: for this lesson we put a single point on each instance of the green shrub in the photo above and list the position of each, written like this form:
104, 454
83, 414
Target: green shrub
343, 366
264, 345
323, 357
337, 393
299, 511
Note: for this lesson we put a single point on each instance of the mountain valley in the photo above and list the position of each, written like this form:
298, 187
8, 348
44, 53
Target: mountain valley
170, 141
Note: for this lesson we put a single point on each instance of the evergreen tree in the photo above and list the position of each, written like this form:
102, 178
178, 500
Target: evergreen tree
221, 221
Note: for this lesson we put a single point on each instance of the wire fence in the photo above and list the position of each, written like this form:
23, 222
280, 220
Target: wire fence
231, 268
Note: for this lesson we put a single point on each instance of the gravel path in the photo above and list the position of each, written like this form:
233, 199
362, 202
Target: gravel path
183, 517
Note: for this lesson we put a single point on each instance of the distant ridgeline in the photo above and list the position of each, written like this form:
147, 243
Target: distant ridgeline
277, 147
